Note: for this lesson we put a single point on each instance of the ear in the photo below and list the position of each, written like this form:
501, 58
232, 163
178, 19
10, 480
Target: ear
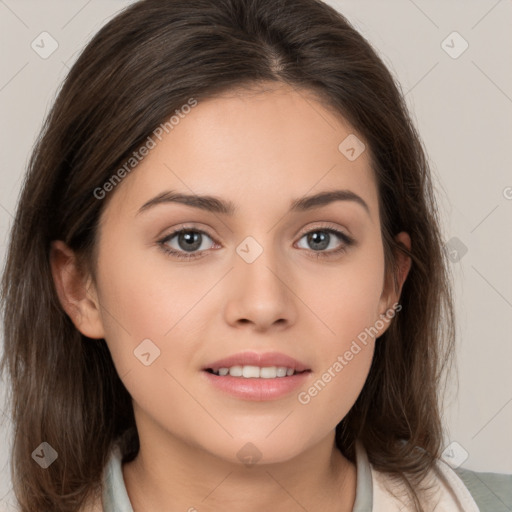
391, 293
76, 292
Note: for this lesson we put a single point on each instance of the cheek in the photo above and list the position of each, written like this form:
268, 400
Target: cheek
149, 311
345, 353
141, 300
345, 297
347, 302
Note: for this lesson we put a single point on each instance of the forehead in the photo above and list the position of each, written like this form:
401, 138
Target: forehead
269, 144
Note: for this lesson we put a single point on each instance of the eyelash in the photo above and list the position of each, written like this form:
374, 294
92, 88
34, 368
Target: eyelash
346, 239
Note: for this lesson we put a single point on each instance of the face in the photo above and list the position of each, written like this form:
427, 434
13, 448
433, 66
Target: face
305, 283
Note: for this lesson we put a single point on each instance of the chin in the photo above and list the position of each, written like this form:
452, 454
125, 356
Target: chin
258, 450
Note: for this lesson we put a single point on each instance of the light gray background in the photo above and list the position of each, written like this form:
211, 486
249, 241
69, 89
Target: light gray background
462, 107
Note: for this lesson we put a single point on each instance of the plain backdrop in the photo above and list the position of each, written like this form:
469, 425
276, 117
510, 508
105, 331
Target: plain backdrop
458, 87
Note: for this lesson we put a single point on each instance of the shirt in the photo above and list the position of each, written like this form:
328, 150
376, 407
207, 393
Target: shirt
458, 490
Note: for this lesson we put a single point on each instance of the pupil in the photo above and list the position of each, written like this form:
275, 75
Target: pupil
191, 239
323, 236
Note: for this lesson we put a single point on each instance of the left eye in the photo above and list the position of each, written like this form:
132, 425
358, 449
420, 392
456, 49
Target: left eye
321, 238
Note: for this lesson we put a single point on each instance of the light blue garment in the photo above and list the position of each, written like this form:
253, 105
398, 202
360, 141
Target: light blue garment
115, 496
491, 491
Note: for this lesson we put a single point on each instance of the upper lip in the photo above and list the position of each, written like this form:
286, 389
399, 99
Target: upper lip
262, 360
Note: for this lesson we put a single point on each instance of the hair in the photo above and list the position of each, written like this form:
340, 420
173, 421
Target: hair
139, 68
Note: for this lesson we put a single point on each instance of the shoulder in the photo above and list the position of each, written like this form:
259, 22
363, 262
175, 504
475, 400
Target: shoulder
442, 489
491, 491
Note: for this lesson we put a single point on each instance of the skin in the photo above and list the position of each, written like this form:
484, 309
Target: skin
259, 151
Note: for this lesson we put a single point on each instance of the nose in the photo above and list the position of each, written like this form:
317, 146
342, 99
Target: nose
260, 293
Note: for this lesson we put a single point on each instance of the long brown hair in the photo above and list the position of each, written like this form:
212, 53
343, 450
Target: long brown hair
139, 68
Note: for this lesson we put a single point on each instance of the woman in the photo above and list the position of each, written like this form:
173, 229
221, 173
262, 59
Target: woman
225, 287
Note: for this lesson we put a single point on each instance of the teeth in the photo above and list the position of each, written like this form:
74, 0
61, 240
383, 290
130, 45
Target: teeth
248, 372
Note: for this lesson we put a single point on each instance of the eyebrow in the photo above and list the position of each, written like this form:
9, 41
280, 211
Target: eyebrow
218, 205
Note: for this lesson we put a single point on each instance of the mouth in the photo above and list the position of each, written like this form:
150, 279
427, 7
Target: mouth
251, 382
256, 365
256, 372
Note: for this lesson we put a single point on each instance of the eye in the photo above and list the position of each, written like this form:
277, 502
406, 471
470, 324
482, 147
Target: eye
321, 238
188, 240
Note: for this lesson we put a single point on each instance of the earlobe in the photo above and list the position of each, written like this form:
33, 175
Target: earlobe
77, 298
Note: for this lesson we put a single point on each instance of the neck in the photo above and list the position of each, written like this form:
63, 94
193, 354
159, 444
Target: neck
189, 478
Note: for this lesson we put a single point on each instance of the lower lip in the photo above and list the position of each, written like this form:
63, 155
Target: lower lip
257, 389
